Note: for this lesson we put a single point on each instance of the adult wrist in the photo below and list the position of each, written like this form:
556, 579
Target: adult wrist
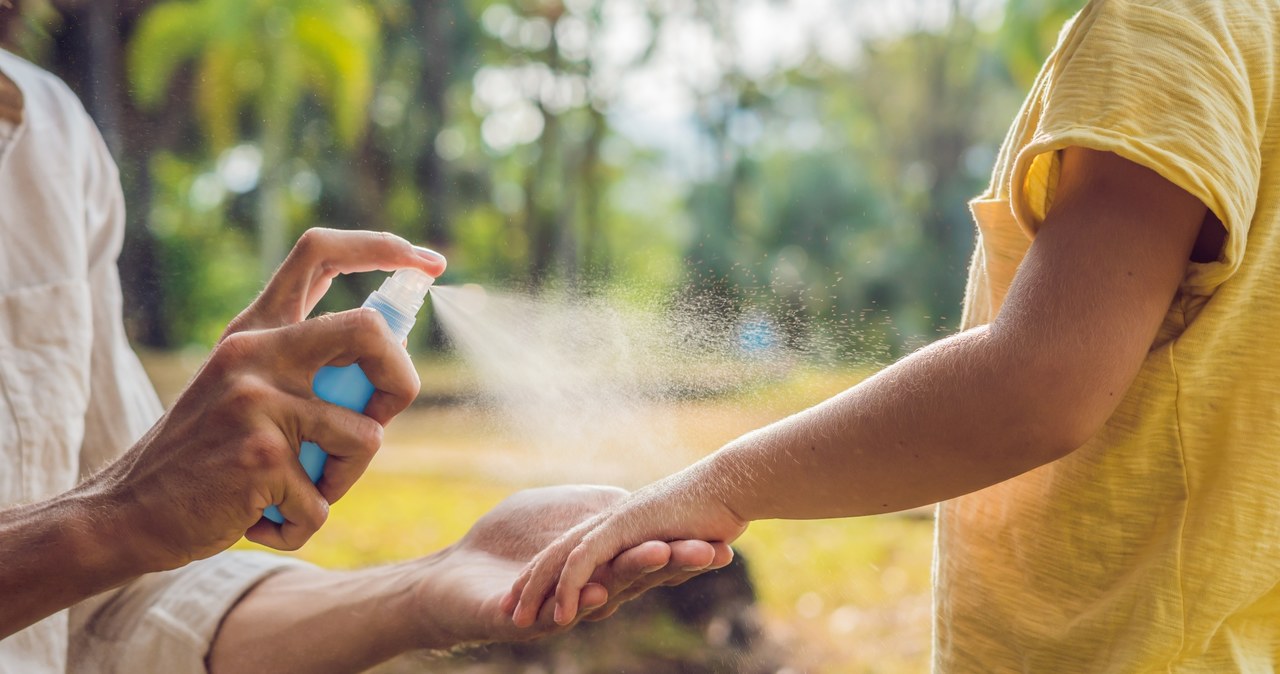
402, 590
103, 534
434, 628
73, 538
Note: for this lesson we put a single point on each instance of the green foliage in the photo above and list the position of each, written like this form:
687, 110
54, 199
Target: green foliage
164, 40
209, 270
255, 63
1031, 29
524, 138
258, 55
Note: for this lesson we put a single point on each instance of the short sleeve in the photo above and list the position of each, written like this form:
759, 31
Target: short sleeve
1168, 85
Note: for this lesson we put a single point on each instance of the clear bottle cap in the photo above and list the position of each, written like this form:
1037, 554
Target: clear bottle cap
400, 298
406, 290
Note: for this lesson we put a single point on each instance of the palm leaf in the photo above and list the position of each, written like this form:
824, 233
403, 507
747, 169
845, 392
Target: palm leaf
166, 38
340, 47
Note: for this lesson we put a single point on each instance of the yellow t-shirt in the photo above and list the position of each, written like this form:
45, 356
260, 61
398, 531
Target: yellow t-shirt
1156, 546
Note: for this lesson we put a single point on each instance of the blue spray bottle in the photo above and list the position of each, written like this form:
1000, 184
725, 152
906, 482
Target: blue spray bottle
398, 300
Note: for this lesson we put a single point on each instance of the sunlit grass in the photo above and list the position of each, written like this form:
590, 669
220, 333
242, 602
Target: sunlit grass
848, 595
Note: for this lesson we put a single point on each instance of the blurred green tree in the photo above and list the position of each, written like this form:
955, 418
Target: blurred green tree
604, 145
261, 57
1030, 31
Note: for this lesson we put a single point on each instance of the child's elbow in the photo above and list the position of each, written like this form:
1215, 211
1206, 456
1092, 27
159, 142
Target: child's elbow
1054, 425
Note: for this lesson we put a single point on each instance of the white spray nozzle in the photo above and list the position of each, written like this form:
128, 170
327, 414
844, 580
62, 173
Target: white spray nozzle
406, 290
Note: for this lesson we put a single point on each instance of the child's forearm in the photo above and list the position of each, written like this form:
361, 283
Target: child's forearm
955, 417
983, 406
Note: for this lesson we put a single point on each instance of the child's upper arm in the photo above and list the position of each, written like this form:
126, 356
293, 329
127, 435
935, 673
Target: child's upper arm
1099, 278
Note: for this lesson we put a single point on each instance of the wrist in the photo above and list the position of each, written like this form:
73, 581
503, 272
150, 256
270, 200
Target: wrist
401, 582
105, 534
434, 628
52, 558
723, 479
77, 530
115, 529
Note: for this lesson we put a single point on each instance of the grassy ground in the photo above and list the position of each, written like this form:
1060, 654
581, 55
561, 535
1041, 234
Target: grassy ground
839, 596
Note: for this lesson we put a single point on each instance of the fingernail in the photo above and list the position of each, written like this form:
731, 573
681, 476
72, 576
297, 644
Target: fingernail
692, 568
428, 254
556, 615
651, 569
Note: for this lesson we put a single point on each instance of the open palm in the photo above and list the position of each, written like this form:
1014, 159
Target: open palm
472, 577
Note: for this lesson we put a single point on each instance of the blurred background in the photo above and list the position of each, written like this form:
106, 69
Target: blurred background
805, 161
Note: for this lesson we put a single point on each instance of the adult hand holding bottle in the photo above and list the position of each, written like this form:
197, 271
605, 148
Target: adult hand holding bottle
227, 449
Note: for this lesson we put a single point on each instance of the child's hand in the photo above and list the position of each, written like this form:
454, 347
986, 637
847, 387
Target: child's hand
670, 510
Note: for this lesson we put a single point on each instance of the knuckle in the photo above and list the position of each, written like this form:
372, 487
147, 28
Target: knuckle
238, 324
315, 248
247, 392
291, 544
236, 348
369, 326
360, 328
412, 383
415, 380
574, 558
310, 240
368, 434
260, 453
315, 518
393, 242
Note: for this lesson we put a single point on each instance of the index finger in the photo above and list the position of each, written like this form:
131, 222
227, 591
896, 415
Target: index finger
356, 336
321, 255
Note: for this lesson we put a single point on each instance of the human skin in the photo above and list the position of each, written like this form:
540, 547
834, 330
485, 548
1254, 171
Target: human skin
311, 620
965, 413
200, 478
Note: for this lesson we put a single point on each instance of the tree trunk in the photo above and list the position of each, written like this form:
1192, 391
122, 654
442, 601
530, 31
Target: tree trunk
87, 55
435, 21
541, 217
273, 216
595, 243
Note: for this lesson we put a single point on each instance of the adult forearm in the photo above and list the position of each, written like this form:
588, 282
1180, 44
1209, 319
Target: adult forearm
59, 552
958, 416
313, 620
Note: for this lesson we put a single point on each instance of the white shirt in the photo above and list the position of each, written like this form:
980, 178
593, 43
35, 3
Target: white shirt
73, 396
